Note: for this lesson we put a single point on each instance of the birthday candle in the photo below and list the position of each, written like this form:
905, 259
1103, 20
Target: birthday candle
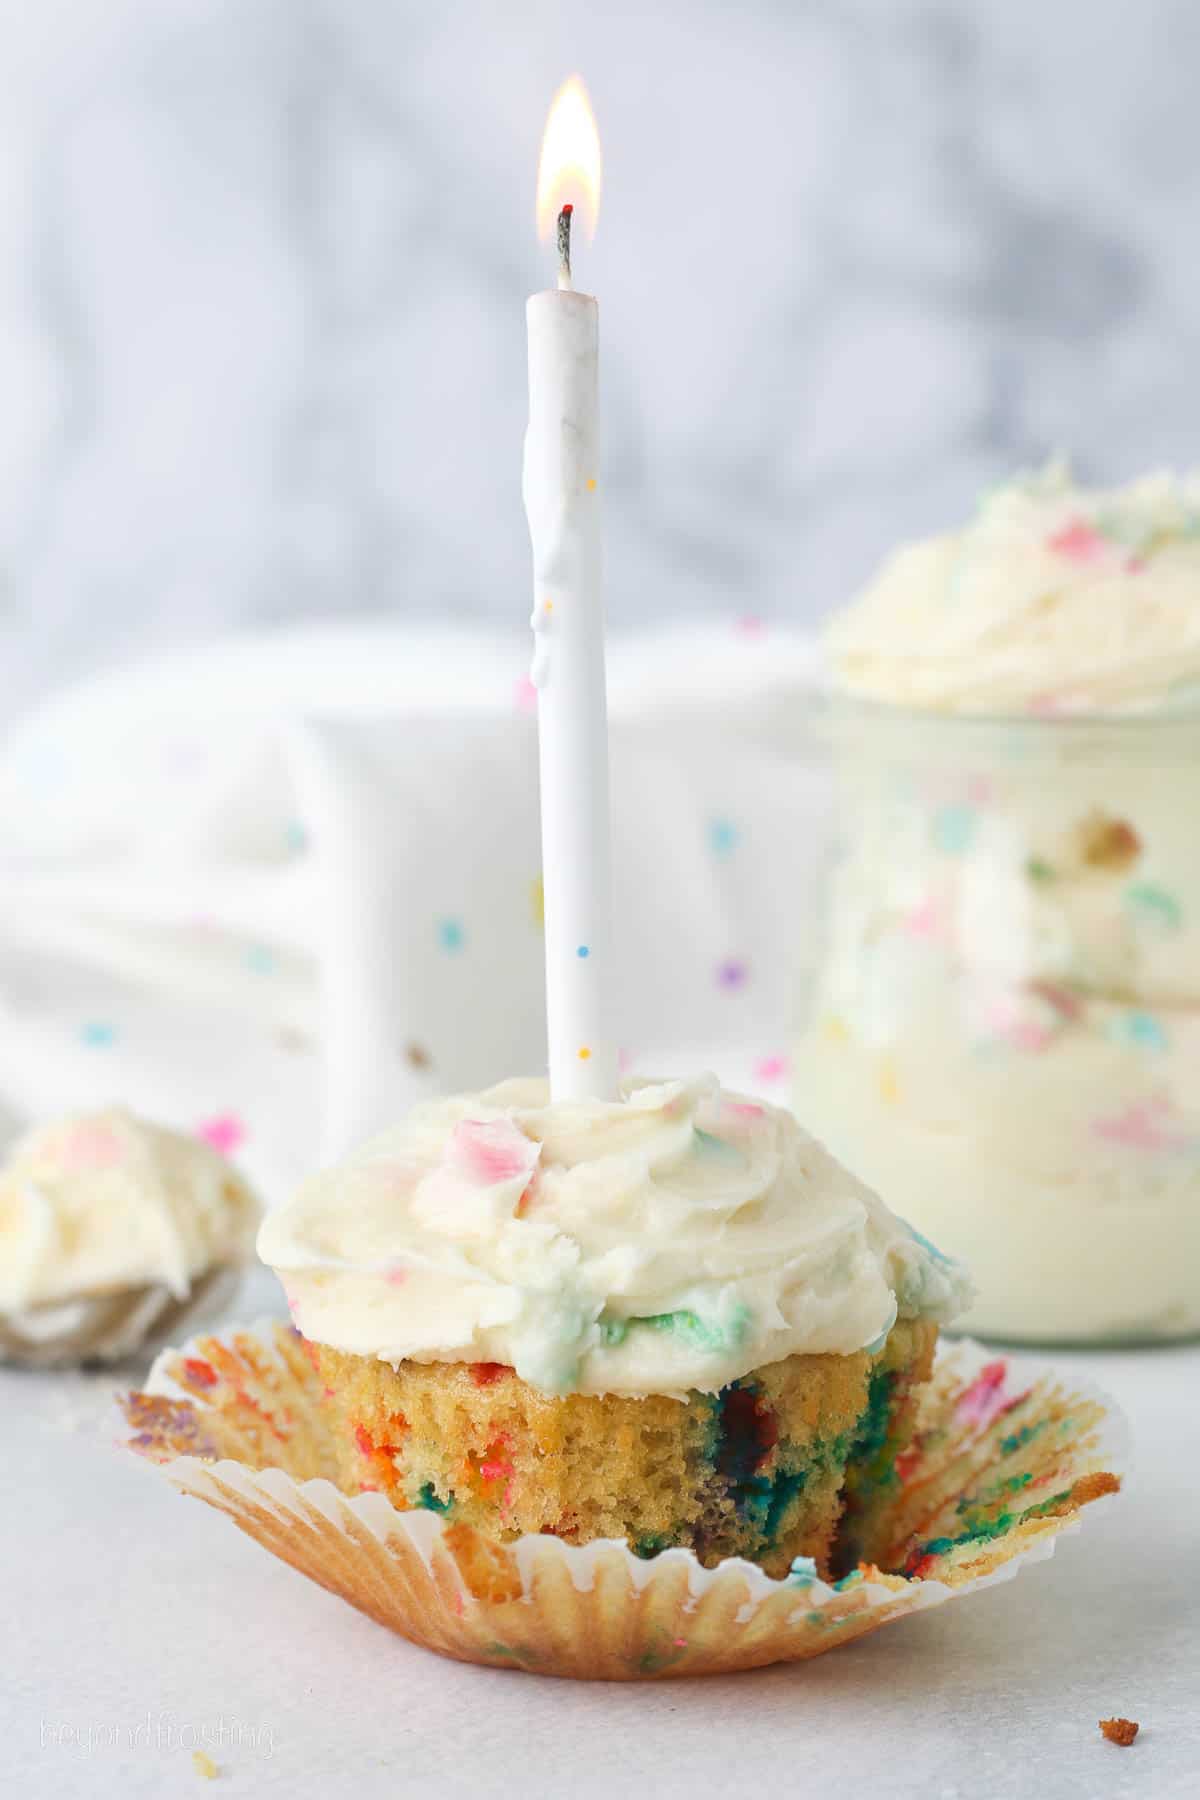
562, 502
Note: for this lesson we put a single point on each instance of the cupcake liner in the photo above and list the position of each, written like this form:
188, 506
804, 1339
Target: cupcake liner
107, 1328
1006, 1455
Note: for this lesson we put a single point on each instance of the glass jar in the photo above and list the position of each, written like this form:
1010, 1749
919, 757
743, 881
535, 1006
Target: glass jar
1001, 1019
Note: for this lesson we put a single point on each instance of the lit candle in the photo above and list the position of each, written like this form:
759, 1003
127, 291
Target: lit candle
563, 507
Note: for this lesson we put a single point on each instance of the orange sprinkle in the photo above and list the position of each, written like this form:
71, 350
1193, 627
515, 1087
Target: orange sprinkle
591, 484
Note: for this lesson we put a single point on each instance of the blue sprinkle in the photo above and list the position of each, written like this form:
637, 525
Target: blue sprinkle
925, 1243
97, 1035
1139, 1028
260, 959
953, 829
451, 935
723, 836
802, 1573
583, 951
848, 1581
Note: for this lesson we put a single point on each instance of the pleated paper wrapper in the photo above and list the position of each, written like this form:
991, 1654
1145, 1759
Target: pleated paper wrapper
108, 1328
1005, 1457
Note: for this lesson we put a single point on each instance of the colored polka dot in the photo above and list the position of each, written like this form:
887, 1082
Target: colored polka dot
225, 1132
583, 952
584, 1053
953, 829
260, 959
417, 1057
451, 935
97, 1034
771, 1068
723, 836
537, 902
750, 625
591, 484
733, 973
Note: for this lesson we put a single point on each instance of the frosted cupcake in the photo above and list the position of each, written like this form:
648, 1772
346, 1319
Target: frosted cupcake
671, 1319
113, 1232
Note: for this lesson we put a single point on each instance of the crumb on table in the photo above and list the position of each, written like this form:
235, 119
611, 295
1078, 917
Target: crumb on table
204, 1765
1119, 1731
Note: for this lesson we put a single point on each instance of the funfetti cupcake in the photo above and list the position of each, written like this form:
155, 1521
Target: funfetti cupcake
671, 1319
113, 1233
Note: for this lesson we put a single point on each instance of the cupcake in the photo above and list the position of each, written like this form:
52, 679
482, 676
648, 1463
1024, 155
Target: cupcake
672, 1320
113, 1232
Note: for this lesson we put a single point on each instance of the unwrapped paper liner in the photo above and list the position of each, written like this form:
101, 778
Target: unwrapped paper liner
108, 1328
1006, 1455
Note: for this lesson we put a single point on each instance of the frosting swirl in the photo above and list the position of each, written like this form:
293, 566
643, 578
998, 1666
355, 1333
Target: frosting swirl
102, 1202
1053, 599
672, 1240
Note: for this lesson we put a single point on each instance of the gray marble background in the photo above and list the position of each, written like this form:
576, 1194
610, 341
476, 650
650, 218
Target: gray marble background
263, 263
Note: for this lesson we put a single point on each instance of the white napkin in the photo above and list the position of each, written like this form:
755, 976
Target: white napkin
274, 890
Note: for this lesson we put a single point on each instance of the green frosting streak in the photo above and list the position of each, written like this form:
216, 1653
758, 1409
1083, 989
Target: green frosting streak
427, 1496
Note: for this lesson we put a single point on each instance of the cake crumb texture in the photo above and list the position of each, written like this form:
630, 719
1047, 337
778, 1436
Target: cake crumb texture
757, 1470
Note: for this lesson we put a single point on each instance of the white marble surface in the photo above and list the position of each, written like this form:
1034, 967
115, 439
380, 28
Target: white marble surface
134, 1622
262, 266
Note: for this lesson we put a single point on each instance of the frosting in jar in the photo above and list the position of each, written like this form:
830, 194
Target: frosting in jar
669, 1241
1053, 599
104, 1201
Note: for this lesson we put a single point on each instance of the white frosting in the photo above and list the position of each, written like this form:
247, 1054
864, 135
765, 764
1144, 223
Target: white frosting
1054, 598
669, 1241
102, 1202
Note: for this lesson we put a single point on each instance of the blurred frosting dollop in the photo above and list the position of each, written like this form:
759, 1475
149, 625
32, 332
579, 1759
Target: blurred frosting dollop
103, 1202
1053, 599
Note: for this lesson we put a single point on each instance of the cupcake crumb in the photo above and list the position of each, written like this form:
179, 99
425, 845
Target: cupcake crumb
204, 1765
1119, 1731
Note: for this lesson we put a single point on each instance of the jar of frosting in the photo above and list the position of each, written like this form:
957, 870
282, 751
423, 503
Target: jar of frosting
1001, 1021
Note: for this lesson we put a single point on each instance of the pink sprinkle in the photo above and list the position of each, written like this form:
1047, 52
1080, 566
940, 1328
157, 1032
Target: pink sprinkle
224, 1132
1135, 565
750, 625
1005, 1020
771, 1068
525, 695
743, 1109
92, 1147
732, 974
1078, 541
490, 1150
924, 920
397, 1275
985, 1399
1142, 1126
679, 1643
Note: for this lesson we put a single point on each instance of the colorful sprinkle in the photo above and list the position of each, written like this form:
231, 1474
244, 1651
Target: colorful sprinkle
451, 935
1140, 1028
224, 1133
491, 1150
1153, 906
733, 973
954, 828
923, 920
1078, 542
583, 952
771, 1068
199, 1373
1144, 1125
723, 837
97, 1034
591, 484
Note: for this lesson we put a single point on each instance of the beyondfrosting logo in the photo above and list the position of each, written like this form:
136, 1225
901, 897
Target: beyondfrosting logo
163, 1733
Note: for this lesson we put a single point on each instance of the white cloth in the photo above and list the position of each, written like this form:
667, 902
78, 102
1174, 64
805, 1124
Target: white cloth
274, 890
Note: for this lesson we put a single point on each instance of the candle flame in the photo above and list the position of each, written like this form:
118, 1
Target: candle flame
569, 169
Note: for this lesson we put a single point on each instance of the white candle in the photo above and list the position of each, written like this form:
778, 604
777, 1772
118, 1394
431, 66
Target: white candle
562, 502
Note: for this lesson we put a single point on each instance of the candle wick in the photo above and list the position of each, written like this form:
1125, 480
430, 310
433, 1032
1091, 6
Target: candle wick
564, 246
